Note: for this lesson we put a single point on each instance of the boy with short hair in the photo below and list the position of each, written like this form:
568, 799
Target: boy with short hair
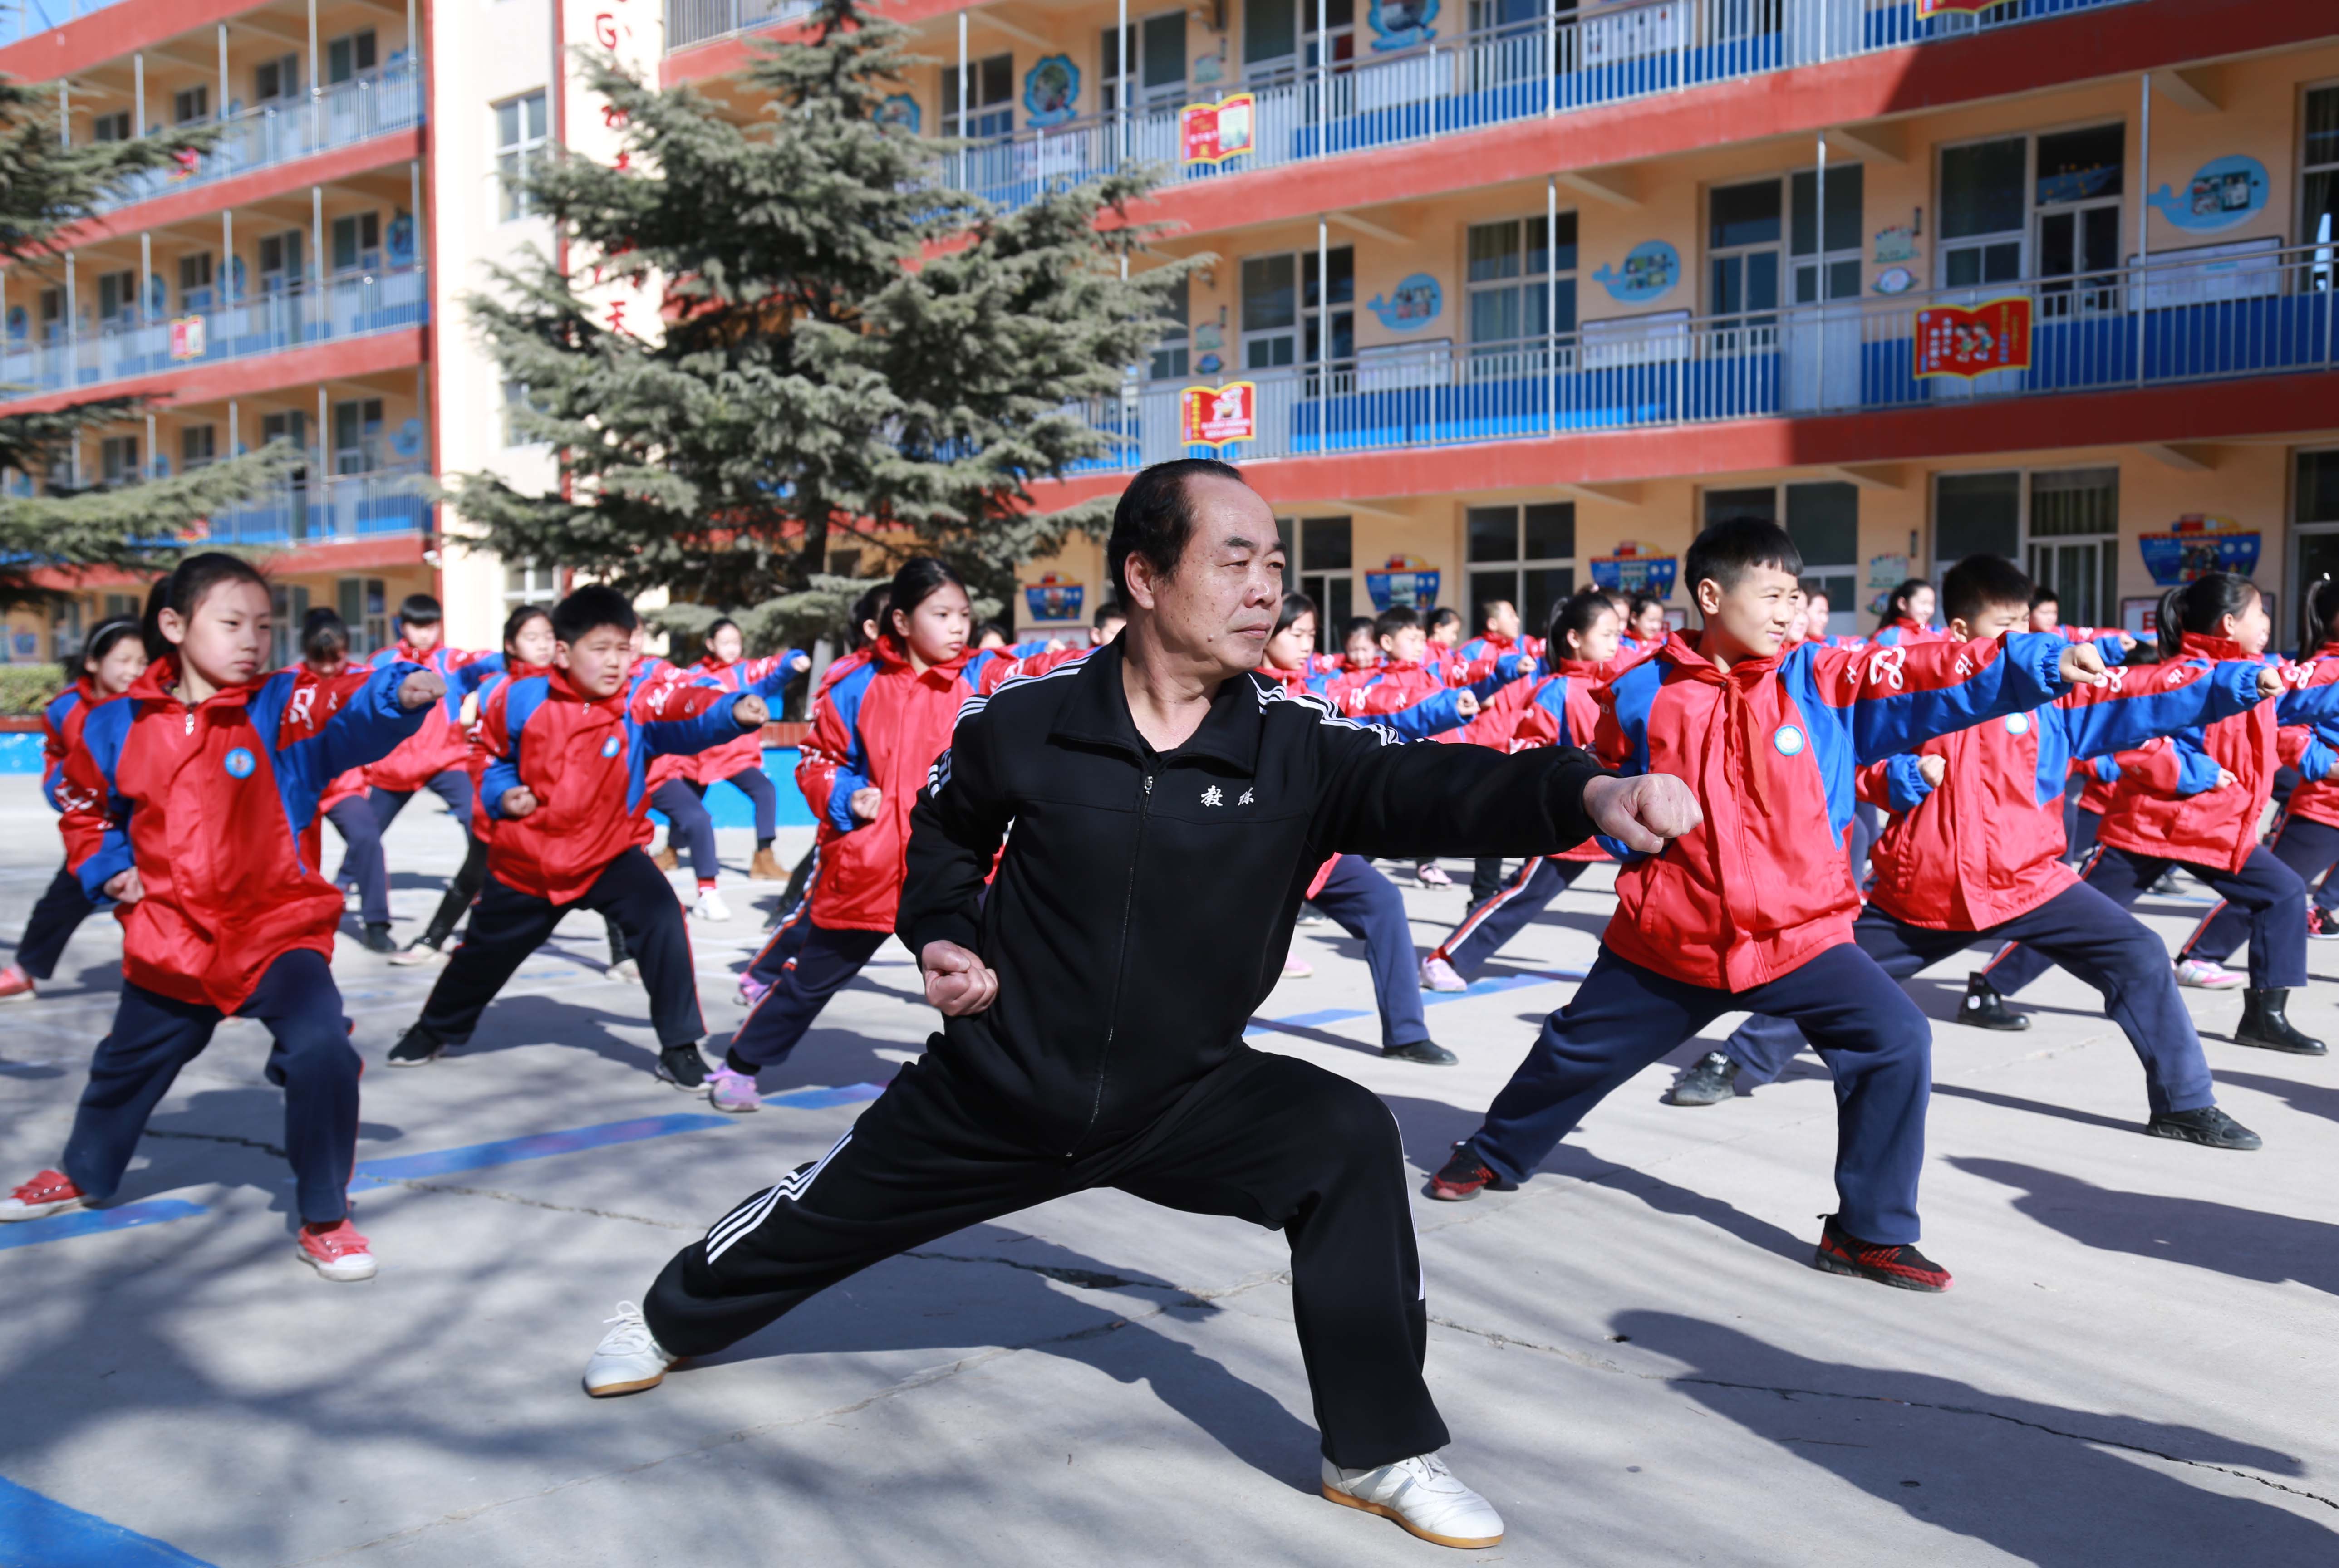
1983, 864
1753, 908
567, 782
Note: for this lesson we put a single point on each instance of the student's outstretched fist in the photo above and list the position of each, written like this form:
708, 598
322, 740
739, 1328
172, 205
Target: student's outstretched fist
2082, 666
2270, 682
419, 690
750, 712
1934, 767
958, 982
1645, 813
516, 803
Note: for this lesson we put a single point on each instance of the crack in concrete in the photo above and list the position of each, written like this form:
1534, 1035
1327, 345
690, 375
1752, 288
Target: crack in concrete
1085, 1279
414, 1185
220, 1138
1602, 1363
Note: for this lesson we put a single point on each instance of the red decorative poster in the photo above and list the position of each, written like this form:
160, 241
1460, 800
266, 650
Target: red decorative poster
187, 337
1213, 132
1218, 416
1975, 340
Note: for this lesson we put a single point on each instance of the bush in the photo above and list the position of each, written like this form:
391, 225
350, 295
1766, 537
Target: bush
27, 688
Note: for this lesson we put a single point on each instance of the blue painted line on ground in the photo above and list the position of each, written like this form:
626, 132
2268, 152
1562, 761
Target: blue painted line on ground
93, 1222
822, 1099
513, 1150
39, 1532
1490, 986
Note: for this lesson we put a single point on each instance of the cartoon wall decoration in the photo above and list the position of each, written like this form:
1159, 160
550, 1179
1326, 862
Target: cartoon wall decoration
1402, 23
1214, 132
1651, 270
1403, 579
1897, 243
1054, 597
2197, 544
1218, 416
1632, 567
1411, 305
1976, 341
2222, 192
901, 109
1051, 91
1895, 280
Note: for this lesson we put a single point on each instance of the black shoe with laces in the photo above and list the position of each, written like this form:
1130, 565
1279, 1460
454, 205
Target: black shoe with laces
376, 939
1901, 1266
2266, 1025
2209, 1127
1984, 1008
1711, 1080
414, 1047
2322, 925
1464, 1176
683, 1066
1427, 1052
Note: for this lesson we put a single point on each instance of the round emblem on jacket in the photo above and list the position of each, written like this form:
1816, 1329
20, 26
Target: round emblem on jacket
2017, 723
610, 747
1788, 739
240, 764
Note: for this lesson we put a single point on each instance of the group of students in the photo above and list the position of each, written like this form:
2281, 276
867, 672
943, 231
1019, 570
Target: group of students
191, 781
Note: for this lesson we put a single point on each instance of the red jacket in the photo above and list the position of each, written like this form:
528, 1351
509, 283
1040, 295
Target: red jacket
1770, 749
2316, 799
586, 761
210, 804
1559, 710
2219, 827
442, 743
1986, 847
766, 677
880, 725
1906, 633
476, 758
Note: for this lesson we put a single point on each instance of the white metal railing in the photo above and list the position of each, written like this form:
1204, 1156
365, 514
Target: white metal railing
387, 99
354, 305
2217, 312
689, 22
315, 506
1555, 64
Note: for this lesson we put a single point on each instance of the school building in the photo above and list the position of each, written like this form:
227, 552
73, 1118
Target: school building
1505, 295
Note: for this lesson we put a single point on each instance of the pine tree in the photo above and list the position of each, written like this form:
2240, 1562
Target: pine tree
781, 337
45, 187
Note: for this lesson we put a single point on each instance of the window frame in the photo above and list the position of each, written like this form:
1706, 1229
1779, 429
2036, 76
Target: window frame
1519, 565
2027, 545
2320, 277
516, 157
1539, 282
1299, 574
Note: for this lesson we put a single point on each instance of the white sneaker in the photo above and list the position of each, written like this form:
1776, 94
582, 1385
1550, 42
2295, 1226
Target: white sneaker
421, 952
625, 969
2207, 976
1436, 974
711, 907
628, 1359
1296, 967
1422, 1495
351, 902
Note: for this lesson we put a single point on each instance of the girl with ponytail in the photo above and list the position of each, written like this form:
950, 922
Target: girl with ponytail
2200, 809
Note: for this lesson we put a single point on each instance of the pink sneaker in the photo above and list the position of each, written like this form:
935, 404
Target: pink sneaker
732, 1091
1429, 873
1436, 974
751, 990
340, 1254
50, 1192
1296, 967
15, 985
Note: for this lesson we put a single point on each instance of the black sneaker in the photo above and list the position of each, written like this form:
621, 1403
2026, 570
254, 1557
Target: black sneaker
2208, 1127
1711, 1080
2264, 1025
683, 1066
1984, 1008
414, 1047
1464, 1176
2322, 925
1427, 1052
1901, 1266
376, 939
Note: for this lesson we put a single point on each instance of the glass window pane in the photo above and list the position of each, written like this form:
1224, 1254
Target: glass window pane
1165, 49
1270, 30
1845, 185
2080, 165
2001, 262
1744, 214
2319, 218
2074, 501
1270, 295
1544, 589
2323, 126
1323, 544
1977, 514
1721, 505
1549, 532
1823, 520
1492, 534
1565, 261
2318, 486
507, 124
1485, 588
1982, 188
1762, 280
1493, 250
1494, 315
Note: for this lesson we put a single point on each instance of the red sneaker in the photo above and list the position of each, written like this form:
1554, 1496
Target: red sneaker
339, 1254
50, 1192
1902, 1267
15, 985
1464, 1176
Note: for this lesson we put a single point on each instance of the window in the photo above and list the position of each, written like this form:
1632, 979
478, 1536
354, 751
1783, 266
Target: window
531, 584
189, 105
1271, 40
290, 603
195, 281
519, 147
516, 397
1323, 567
2048, 204
1282, 320
989, 98
1823, 518
118, 460
198, 446
2062, 526
1510, 278
123, 607
345, 57
1745, 225
272, 81
117, 298
357, 436
357, 243
2319, 158
1981, 212
1157, 63
52, 314
364, 603
1525, 555
1169, 360
113, 127
1846, 218
65, 631
280, 260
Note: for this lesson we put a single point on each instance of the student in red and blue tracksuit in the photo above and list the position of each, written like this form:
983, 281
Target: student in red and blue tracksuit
740, 763
567, 787
2212, 832
187, 803
111, 660
1974, 855
1558, 710
1753, 910
1907, 616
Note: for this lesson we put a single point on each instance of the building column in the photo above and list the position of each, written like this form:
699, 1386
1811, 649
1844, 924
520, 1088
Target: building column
138, 95
218, 110
316, 88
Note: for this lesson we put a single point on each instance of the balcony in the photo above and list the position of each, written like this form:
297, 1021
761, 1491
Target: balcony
1553, 66
384, 503
299, 317
690, 22
383, 99
2255, 312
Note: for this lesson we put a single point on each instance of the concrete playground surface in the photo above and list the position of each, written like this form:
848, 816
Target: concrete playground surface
1637, 1361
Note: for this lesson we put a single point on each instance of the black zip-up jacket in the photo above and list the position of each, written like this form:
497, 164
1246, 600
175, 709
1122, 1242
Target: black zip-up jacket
1146, 901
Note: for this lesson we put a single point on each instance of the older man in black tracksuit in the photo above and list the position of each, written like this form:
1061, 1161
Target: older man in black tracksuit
1168, 809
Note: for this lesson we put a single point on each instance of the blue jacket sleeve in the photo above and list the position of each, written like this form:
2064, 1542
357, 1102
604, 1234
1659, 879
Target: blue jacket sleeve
465, 680
2311, 704
783, 674
2116, 723
709, 727
1905, 784
1896, 699
1433, 715
2319, 762
2197, 770
368, 729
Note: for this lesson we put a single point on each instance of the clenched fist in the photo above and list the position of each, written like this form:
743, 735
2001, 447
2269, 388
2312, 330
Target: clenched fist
957, 981
750, 712
1934, 767
1643, 813
124, 887
419, 690
517, 801
2082, 664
